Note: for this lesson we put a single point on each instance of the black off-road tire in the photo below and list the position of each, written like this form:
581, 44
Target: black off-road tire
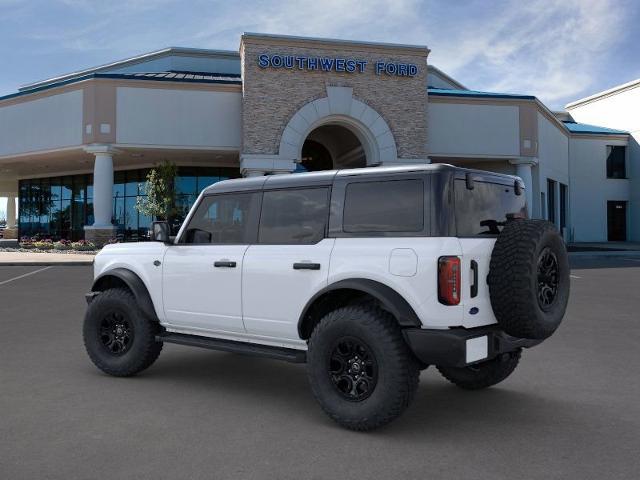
138, 353
397, 370
482, 375
518, 273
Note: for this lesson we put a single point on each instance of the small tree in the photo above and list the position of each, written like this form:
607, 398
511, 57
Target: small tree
160, 202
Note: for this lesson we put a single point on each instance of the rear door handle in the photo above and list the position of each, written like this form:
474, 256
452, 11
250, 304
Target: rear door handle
224, 263
306, 266
474, 271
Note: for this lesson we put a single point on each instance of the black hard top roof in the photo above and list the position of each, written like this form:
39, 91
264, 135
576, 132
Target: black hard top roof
327, 177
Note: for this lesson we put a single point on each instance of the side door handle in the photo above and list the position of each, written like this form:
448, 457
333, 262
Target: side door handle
224, 263
306, 266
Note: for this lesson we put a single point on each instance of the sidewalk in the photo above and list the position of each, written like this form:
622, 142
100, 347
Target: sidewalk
44, 259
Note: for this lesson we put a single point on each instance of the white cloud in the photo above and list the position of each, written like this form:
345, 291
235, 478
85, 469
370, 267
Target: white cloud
548, 48
554, 49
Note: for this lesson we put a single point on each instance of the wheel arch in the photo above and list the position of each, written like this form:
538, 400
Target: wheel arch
353, 290
123, 277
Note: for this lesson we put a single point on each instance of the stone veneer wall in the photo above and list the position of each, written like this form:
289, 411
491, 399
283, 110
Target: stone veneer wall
271, 96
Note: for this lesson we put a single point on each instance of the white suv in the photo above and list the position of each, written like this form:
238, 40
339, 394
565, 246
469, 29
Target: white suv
367, 275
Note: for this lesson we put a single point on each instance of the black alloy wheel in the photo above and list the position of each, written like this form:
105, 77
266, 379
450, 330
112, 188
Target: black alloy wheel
547, 278
353, 369
116, 333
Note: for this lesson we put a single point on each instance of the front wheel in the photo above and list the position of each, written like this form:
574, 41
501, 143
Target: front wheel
484, 374
360, 369
118, 337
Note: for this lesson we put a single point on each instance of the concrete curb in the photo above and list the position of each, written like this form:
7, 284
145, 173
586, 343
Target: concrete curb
616, 253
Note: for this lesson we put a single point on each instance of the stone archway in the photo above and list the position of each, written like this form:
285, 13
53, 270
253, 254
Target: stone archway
340, 109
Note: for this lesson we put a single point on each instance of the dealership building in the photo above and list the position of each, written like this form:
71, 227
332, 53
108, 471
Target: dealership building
75, 149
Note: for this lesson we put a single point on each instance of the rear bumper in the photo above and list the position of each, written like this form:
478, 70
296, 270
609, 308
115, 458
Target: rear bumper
459, 347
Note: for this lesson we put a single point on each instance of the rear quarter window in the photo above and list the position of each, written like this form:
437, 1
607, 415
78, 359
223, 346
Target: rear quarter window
384, 206
484, 210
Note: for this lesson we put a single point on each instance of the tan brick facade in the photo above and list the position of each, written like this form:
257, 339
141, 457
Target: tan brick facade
272, 96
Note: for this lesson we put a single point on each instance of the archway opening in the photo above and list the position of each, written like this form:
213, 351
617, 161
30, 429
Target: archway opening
332, 146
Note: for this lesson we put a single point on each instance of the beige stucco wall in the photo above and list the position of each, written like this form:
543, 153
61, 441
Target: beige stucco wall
50, 122
184, 118
272, 96
459, 129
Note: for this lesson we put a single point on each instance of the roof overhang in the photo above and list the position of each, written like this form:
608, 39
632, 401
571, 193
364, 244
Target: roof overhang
145, 57
605, 93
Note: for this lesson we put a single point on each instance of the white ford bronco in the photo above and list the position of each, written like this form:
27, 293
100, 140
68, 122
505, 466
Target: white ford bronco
367, 275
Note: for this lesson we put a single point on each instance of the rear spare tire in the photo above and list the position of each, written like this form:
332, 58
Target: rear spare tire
529, 279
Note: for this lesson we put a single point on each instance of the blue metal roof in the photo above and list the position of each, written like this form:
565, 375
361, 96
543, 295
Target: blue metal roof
575, 127
188, 77
444, 92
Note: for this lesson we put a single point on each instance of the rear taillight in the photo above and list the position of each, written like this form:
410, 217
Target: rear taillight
449, 280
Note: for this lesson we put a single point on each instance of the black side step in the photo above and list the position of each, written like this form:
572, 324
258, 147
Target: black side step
278, 353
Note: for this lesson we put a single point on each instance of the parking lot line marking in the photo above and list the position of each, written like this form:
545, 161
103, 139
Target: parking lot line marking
25, 275
574, 276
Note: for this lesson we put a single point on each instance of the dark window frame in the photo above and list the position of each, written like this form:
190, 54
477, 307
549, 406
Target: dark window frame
328, 190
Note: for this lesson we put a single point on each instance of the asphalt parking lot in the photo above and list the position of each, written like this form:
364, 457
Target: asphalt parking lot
570, 411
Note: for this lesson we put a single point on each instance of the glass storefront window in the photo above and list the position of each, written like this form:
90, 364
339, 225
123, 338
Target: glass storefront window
59, 207
118, 184
67, 188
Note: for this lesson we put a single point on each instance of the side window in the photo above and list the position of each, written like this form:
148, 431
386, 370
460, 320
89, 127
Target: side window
384, 206
616, 161
223, 219
294, 216
484, 210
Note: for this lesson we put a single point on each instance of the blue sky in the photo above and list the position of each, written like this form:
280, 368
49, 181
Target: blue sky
558, 50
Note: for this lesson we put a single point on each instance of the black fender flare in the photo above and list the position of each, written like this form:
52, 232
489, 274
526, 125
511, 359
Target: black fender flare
390, 300
134, 283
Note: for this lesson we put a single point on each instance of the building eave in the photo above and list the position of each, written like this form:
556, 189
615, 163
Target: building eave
603, 94
115, 76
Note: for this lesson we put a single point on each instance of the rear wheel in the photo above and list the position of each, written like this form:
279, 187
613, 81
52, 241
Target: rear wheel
482, 375
360, 369
118, 337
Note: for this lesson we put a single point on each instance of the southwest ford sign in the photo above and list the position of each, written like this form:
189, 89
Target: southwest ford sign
331, 64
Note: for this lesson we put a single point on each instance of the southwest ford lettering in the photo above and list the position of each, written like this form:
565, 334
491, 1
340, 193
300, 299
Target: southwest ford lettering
331, 64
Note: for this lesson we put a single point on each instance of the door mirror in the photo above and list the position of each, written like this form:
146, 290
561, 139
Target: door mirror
160, 232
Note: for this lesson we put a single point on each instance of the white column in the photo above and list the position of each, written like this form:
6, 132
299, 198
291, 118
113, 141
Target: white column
523, 170
102, 185
11, 211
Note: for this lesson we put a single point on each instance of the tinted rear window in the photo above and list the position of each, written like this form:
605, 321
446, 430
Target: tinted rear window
385, 206
484, 210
